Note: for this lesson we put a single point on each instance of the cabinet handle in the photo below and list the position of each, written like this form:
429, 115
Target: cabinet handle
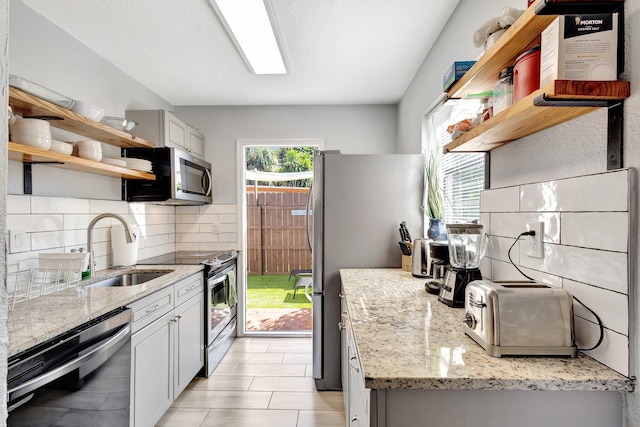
340, 326
189, 288
179, 316
355, 418
151, 310
356, 367
341, 294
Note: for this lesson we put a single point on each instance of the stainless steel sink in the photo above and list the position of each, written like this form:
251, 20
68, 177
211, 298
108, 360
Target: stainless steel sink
129, 279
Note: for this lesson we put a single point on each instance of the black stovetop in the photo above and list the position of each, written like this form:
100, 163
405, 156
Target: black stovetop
211, 259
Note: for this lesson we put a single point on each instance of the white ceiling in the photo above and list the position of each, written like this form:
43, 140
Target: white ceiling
337, 51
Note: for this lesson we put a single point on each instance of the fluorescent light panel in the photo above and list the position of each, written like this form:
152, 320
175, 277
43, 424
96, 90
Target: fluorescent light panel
249, 25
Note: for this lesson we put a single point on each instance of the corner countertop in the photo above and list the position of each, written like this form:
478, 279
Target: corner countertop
407, 339
37, 320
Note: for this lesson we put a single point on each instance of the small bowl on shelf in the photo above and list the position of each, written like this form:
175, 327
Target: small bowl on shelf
61, 147
120, 123
87, 110
90, 150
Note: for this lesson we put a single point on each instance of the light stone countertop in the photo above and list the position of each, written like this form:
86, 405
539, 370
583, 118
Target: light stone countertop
407, 339
37, 320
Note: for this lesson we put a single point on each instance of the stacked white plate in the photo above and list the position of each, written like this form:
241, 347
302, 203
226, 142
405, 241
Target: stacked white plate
139, 164
90, 149
119, 161
32, 132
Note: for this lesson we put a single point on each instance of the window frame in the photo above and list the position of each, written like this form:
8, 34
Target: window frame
483, 158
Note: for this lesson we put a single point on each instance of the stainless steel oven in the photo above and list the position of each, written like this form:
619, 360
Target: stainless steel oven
79, 378
221, 306
220, 270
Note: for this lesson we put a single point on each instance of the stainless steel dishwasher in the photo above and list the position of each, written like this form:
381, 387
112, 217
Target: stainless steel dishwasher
79, 378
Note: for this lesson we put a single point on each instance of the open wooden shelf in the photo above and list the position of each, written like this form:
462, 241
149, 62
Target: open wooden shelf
524, 117
25, 153
31, 106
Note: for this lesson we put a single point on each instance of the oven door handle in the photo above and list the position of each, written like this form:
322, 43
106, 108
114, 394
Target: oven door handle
213, 281
105, 349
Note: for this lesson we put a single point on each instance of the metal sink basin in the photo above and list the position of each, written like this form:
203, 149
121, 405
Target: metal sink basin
128, 279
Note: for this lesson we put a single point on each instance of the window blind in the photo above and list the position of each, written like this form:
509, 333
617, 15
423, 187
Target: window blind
462, 173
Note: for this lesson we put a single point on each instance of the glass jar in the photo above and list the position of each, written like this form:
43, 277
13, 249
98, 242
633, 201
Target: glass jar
503, 91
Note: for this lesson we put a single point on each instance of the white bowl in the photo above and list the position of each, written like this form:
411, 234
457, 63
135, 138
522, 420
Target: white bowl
30, 124
87, 110
89, 144
90, 155
61, 147
89, 149
29, 132
41, 142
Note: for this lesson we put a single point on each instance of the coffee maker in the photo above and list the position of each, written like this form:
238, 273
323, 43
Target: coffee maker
439, 255
467, 245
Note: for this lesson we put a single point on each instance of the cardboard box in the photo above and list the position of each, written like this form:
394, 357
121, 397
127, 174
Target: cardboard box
580, 47
455, 72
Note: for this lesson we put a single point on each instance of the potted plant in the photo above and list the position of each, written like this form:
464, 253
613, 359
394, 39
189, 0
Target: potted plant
434, 206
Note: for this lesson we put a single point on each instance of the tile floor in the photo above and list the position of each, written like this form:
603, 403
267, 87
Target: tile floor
264, 382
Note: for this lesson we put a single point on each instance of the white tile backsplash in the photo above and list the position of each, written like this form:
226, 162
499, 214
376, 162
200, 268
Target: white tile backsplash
18, 204
206, 228
57, 224
512, 224
603, 230
581, 194
614, 350
587, 236
595, 267
612, 305
500, 200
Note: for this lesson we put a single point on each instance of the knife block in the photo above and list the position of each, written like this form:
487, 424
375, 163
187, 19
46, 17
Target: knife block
406, 263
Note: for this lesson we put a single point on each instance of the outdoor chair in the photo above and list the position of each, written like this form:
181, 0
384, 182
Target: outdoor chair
302, 282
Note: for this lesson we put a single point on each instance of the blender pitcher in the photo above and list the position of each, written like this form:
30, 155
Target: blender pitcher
467, 245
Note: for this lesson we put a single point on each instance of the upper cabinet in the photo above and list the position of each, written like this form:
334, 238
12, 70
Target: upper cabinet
555, 103
168, 130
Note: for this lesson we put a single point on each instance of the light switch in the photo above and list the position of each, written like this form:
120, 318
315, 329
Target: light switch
18, 241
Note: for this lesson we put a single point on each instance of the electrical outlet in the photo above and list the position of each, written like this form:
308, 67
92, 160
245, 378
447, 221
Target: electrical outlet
18, 241
535, 247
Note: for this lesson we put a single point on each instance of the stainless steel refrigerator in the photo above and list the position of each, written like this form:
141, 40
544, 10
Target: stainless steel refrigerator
359, 202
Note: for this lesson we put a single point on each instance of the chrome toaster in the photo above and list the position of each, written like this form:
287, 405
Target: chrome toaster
520, 318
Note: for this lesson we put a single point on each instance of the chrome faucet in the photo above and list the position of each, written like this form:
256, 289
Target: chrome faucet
129, 236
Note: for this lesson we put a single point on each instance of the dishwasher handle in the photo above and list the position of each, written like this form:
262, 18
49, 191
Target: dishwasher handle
105, 348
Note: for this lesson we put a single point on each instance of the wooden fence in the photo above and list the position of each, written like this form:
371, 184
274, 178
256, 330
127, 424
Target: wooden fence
276, 230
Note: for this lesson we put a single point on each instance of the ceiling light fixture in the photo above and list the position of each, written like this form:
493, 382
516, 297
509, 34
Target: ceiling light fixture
249, 25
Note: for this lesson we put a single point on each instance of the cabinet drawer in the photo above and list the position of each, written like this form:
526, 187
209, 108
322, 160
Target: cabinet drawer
150, 308
187, 288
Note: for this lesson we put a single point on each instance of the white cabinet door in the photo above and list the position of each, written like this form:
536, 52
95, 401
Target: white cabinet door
152, 372
196, 142
176, 132
189, 342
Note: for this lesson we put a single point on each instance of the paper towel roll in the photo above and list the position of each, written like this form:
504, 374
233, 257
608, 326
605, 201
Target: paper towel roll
124, 253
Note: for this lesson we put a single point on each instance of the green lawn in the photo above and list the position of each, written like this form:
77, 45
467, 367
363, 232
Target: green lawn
275, 291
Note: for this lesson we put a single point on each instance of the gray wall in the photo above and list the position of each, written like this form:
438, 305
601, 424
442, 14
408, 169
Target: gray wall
362, 129
571, 149
4, 137
44, 54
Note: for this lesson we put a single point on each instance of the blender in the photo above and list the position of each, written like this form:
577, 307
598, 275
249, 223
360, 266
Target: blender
467, 245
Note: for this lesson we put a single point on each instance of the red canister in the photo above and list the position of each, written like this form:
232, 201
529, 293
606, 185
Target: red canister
526, 73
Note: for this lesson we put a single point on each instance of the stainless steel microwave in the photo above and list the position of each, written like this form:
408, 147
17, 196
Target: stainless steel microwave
181, 178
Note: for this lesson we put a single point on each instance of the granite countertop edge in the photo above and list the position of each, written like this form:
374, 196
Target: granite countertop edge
37, 320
